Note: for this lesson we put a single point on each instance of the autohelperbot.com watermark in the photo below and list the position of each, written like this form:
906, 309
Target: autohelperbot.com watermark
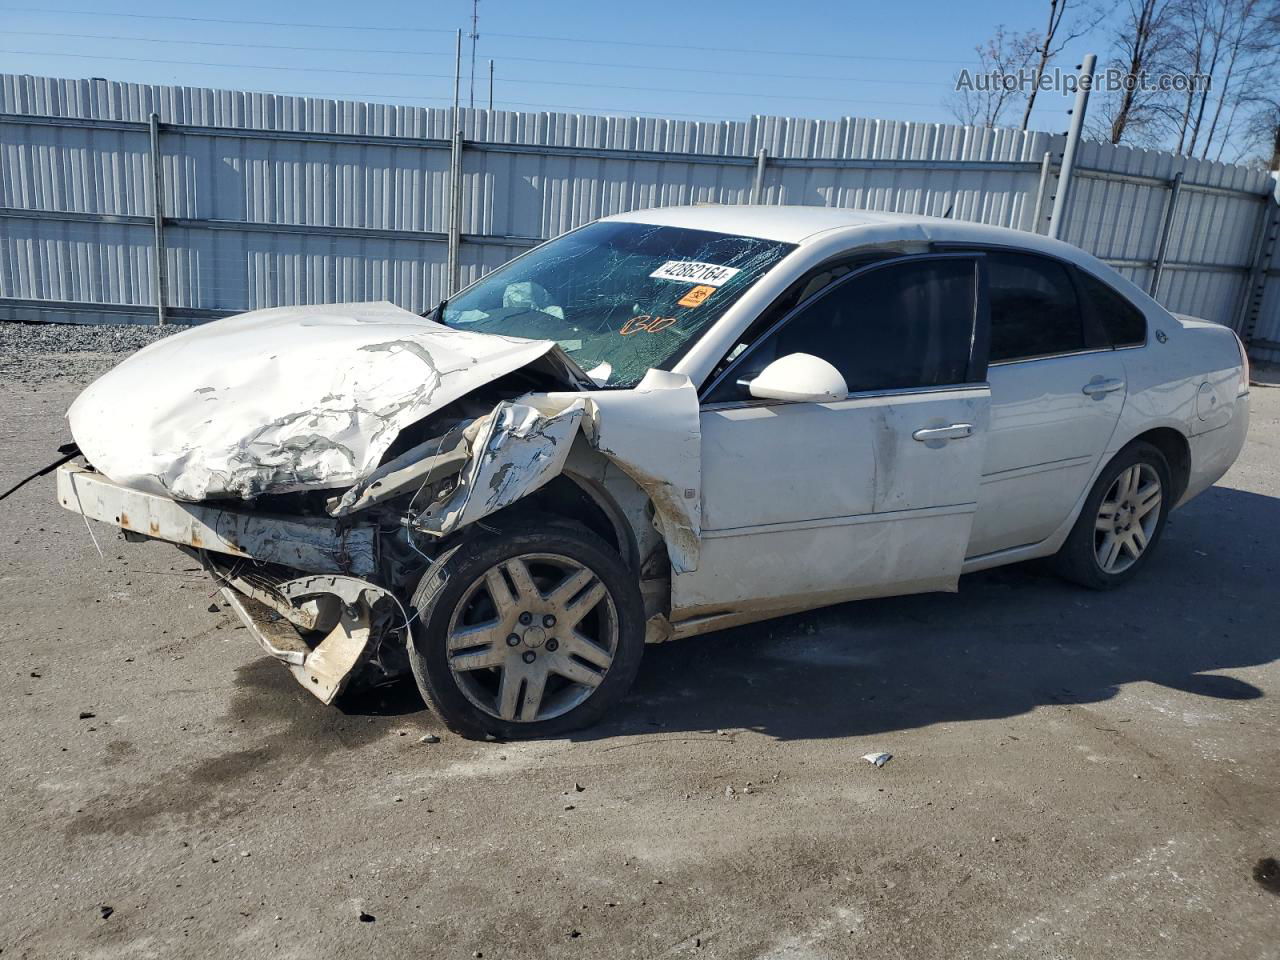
1054, 80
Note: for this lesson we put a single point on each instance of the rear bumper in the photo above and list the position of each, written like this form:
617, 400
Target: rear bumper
1214, 451
310, 544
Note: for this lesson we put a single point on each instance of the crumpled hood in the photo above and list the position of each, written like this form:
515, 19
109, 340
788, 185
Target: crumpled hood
280, 400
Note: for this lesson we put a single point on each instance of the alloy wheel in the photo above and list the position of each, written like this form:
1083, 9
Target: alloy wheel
1127, 518
532, 637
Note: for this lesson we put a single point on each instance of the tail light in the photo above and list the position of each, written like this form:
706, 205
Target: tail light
1243, 386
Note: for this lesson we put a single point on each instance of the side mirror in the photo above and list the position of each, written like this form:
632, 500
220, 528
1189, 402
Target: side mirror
799, 377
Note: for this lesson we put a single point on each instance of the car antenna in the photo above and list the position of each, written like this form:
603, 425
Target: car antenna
947, 215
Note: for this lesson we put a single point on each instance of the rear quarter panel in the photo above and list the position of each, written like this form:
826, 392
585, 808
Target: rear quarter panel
1188, 382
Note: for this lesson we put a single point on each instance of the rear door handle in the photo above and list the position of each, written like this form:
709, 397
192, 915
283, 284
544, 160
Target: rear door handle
1100, 388
955, 431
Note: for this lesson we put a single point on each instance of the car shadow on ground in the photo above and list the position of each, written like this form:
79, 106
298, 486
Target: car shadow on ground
1012, 639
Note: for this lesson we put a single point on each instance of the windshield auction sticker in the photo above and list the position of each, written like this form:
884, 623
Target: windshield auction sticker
691, 271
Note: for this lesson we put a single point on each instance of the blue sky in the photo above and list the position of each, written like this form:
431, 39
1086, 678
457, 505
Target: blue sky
708, 60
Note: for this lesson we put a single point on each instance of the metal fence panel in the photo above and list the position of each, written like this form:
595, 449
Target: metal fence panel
271, 199
91, 262
1266, 346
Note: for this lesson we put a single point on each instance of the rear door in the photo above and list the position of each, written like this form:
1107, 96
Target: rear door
1057, 389
874, 494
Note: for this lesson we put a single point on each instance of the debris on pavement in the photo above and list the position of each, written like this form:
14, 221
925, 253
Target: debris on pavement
879, 759
1266, 873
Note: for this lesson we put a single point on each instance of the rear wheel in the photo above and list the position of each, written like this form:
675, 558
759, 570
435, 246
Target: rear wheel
1121, 521
527, 632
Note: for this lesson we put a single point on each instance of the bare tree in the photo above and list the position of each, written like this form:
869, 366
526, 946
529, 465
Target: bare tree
1051, 43
1249, 56
1196, 42
1234, 43
980, 99
1143, 33
1261, 137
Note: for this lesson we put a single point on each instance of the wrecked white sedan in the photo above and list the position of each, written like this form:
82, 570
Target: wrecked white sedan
657, 425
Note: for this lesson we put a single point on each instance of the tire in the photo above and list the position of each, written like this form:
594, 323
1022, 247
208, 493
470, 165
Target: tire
494, 614
1115, 521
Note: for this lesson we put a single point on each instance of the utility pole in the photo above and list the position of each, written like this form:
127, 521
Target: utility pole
457, 79
491, 100
475, 35
452, 258
1062, 197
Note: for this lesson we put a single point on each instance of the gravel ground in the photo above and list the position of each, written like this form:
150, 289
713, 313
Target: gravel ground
1074, 775
32, 353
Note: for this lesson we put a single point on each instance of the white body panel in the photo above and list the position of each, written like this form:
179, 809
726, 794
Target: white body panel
279, 400
766, 507
1047, 438
875, 512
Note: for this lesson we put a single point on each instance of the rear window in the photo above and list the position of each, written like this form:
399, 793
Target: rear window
1124, 323
1034, 310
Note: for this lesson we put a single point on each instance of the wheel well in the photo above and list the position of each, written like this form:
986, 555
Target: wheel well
564, 497
1176, 450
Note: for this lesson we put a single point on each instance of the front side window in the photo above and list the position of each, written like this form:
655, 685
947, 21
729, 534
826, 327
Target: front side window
1034, 310
900, 326
620, 298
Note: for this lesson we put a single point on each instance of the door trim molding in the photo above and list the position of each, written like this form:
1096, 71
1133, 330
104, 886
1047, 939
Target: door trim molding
1014, 473
983, 387
921, 513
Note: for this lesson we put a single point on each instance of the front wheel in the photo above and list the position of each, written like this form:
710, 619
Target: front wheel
1121, 521
527, 632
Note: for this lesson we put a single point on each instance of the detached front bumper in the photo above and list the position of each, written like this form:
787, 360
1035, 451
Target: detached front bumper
297, 585
311, 544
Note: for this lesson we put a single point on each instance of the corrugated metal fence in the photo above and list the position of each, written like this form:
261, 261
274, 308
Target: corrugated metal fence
269, 199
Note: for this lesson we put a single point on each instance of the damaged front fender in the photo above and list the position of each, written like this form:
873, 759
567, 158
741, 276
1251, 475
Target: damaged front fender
651, 432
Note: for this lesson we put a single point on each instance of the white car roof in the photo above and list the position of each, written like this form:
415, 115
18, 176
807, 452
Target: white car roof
801, 224
788, 224
847, 229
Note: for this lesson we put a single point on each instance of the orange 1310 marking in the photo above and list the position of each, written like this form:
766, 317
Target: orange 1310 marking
646, 323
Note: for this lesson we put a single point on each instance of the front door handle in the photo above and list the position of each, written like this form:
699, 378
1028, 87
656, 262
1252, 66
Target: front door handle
1100, 388
954, 431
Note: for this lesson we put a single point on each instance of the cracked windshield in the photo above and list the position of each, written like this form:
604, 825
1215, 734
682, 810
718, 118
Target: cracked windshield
618, 297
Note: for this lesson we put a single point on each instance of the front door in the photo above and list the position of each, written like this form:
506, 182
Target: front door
812, 503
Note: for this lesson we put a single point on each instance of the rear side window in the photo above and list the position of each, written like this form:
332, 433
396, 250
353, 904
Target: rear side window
1034, 309
1124, 323
899, 326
